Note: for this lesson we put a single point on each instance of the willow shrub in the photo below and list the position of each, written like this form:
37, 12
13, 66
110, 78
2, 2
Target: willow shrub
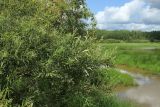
46, 68
39, 65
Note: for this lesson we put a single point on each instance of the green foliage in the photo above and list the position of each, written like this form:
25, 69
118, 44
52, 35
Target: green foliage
154, 36
45, 58
127, 36
98, 99
72, 16
122, 35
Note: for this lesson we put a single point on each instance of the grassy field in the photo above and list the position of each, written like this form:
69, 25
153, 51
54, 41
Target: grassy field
119, 79
125, 46
145, 56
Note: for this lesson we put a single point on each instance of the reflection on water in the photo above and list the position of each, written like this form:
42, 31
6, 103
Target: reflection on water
139, 79
148, 91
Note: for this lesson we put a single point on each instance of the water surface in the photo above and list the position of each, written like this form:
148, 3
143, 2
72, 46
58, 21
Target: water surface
147, 93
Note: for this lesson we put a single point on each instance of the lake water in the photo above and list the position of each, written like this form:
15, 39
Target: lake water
148, 91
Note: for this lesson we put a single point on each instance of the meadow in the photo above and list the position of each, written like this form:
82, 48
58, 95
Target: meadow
142, 56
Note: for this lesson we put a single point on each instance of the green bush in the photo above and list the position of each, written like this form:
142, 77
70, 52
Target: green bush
43, 62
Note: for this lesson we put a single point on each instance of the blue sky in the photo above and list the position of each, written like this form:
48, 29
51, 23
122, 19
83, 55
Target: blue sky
99, 5
141, 15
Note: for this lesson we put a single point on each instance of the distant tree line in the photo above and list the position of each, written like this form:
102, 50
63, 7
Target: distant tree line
154, 36
128, 36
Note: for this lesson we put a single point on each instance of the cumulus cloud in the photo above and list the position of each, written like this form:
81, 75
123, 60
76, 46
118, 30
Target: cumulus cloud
129, 26
134, 15
154, 3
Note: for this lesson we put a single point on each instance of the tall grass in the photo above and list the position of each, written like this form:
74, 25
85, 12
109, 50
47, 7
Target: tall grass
147, 60
117, 79
139, 55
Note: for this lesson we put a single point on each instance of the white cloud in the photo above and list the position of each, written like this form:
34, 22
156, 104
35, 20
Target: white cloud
153, 3
134, 15
129, 26
151, 15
